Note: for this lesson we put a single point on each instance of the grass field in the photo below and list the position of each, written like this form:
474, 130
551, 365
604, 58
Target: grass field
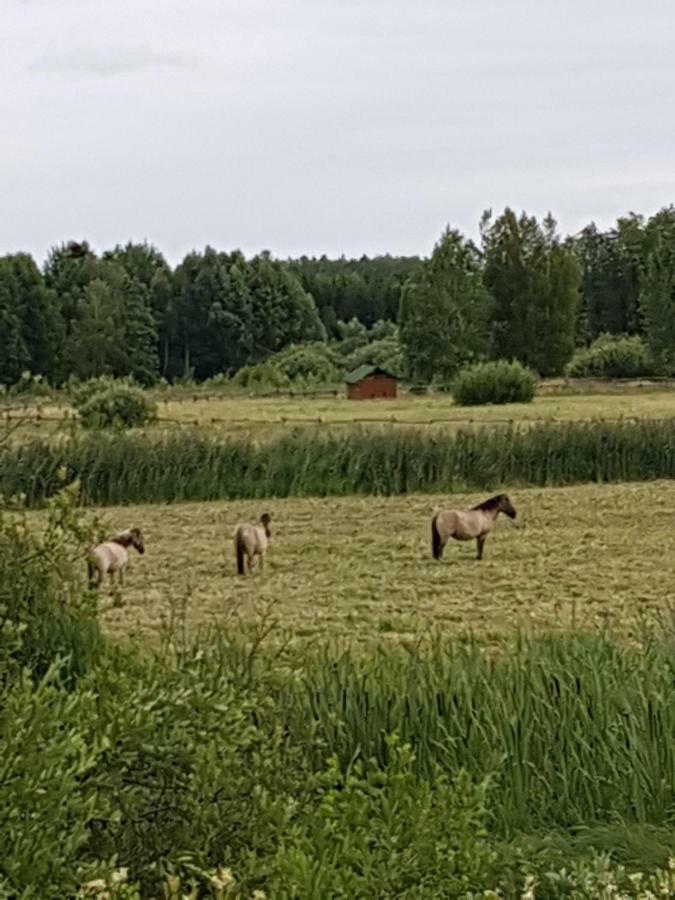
265, 417
360, 568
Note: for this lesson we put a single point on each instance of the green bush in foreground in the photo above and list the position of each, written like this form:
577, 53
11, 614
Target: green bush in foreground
494, 382
612, 357
118, 406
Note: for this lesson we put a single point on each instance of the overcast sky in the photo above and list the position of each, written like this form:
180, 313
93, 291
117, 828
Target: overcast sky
327, 126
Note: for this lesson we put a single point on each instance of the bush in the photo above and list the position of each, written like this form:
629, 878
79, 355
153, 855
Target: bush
612, 356
120, 406
310, 362
264, 376
494, 382
32, 386
45, 616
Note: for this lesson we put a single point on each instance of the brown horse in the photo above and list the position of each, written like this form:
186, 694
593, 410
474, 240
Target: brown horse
251, 541
468, 524
112, 556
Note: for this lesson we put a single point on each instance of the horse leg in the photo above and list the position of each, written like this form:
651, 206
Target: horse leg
480, 541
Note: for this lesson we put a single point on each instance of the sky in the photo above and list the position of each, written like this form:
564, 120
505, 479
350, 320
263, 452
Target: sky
327, 126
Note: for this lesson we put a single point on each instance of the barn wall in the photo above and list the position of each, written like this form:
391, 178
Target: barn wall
373, 387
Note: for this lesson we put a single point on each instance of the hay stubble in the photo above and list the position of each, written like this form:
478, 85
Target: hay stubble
360, 568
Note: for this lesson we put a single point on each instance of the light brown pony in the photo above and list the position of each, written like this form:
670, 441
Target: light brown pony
112, 556
251, 541
468, 524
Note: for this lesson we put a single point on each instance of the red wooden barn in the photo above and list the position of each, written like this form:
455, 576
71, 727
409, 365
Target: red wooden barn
370, 383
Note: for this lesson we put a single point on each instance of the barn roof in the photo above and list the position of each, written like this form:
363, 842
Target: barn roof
364, 371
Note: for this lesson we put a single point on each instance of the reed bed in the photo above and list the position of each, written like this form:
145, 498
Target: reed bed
138, 468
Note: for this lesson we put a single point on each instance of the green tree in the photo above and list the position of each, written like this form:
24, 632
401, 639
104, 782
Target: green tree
611, 262
533, 278
444, 311
657, 294
30, 325
231, 312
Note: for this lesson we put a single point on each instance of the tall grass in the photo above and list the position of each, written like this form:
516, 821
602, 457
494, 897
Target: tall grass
136, 468
573, 731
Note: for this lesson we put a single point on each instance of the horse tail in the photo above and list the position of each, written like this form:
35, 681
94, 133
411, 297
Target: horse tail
436, 544
91, 572
241, 551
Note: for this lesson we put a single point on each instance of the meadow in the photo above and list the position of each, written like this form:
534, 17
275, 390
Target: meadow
267, 417
359, 570
359, 720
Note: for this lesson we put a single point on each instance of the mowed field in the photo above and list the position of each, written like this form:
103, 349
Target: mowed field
267, 417
360, 569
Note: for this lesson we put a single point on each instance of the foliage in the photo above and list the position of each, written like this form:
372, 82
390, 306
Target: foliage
612, 356
373, 825
534, 279
611, 270
264, 375
44, 614
657, 295
312, 363
118, 406
494, 382
129, 468
443, 318
385, 353
368, 290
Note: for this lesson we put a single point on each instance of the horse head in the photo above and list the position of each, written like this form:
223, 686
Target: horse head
137, 539
265, 522
506, 506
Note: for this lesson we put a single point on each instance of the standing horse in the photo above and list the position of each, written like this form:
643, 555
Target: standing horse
112, 556
468, 524
251, 541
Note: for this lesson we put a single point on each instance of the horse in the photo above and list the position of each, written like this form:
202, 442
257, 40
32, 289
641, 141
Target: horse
468, 524
112, 556
251, 541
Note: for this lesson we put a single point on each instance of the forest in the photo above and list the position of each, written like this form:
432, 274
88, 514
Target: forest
523, 292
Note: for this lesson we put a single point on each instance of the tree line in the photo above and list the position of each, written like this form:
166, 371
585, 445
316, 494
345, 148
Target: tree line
522, 292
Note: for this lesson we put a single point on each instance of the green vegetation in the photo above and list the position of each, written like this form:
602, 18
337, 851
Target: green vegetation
128, 468
494, 382
611, 356
224, 765
445, 309
118, 406
126, 313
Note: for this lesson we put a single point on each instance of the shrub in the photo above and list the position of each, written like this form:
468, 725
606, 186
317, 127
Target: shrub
263, 375
120, 406
44, 614
311, 362
612, 356
382, 828
31, 385
494, 382
80, 391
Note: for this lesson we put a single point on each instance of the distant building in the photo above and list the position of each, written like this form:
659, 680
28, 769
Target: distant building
370, 383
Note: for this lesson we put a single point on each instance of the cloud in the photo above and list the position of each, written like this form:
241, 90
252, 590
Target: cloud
110, 61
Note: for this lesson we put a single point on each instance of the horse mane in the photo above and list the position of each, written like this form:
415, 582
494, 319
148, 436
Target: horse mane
125, 539
490, 503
